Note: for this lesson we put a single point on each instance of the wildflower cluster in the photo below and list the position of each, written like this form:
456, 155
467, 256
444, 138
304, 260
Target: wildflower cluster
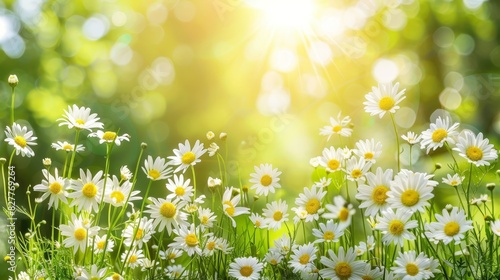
356, 220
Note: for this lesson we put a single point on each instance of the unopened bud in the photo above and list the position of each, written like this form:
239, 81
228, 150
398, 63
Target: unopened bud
255, 197
448, 207
13, 81
490, 186
210, 135
222, 136
144, 145
47, 162
3, 160
438, 165
244, 188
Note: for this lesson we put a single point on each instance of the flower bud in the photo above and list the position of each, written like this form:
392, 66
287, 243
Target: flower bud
13, 81
47, 162
3, 160
210, 135
222, 136
438, 165
490, 186
144, 145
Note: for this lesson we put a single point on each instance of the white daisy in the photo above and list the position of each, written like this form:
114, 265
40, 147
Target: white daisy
273, 257
357, 168
167, 213
115, 276
411, 191
275, 214
133, 258
303, 257
438, 133
475, 149
411, 137
265, 179
176, 271
229, 205
495, 227
454, 180
117, 194
210, 245
103, 244
138, 232
53, 187
410, 266
373, 194
87, 191
338, 126
110, 137
283, 244
395, 226
368, 149
258, 221
310, 200
327, 233
80, 118
77, 233
213, 182
157, 169
342, 266
451, 226
332, 159
206, 217
185, 156
170, 254
65, 146
93, 274
21, 139
212, 149
186, 240
180, 188
222, 245
384, 98
246, 268
369, 273
125, 173
341, 211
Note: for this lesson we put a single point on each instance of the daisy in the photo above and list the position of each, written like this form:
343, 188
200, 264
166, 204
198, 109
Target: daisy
180, 188
310, 201
475, 149
94, 273
357, 168
125, 173
258, 221
495, 227
138, 232
410, 266
210, 246
115, 276
275, 214
327, 233
110, 137
117, 194
77, 233
283, 244
368, 149
133, 258
212, 149
157, 169
300, 214
222, 245
21, 139
65, 146
338, 126
206, 217
438, 133
340, 210
87, 191
411, 191
103, 244
176, 271
342, 266
451, 226
395, 226
373, 194
229, 205
167, 214
369, 273
332, 159
170, 254
213, 182
185, 156
245, 268
411, 137
273, 257
382, 99
186, 240
53, 187
80, 118
323, 182
454, 180
303, 257
265, 179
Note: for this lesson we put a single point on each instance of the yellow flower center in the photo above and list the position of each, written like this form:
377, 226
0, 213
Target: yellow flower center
154, 174
451, 228
474, 153
179, 191
67, 147
188, 157
109, 136
454, 183
439, 134
312, 206
396, 227
304, 259
343, 270
356, 173
138, 234
80, 121
55, 188
100, 244
246, 270
168, 210
171, 256
333, 164
328, 235
80, 234
369, 155
278, 215
132, 259
337, 128
210, 245
89, 190
344, 214
20, 141
412, 269
118, 196
257, 223
386, 103
273, 262
204, 220
366, 277
191, 240
266, 180
230, 209
379, 194
115, 276
410, 197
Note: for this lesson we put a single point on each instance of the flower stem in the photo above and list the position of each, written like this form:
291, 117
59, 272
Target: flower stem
73, 154
12, 104
397, 140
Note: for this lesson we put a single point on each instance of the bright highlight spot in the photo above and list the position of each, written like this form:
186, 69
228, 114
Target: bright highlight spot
287, 14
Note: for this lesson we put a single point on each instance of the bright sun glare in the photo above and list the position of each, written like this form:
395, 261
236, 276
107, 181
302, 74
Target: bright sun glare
288, 14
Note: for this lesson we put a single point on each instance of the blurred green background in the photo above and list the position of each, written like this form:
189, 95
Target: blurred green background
268, 73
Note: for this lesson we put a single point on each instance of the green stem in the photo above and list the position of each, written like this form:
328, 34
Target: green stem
12, 104
397, 140
73, 154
